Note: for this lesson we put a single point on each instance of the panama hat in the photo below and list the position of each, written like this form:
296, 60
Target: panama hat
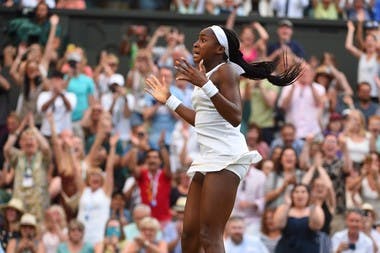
28, 220
368, 207
15, 204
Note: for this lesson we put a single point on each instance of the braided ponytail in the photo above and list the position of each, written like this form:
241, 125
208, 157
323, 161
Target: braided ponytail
263, 69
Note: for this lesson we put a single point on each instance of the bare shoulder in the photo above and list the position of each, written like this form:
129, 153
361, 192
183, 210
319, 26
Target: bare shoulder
225, 74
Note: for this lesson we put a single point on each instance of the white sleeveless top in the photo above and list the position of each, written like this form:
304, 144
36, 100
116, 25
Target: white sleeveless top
367, 70
94, 211
358, 150
369, 195
222, 146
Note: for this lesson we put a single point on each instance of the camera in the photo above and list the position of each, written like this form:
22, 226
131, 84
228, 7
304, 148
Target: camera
72, 64
113, 88
366, 213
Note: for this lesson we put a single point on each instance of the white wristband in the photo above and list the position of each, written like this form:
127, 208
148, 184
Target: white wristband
173, 102
210, 89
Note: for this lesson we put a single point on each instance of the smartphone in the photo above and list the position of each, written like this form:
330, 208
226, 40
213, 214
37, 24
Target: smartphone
352, 246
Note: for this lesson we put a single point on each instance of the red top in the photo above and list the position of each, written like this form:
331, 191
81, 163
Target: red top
155, 192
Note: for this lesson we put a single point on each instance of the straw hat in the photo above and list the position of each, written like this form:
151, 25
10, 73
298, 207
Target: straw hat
368, 207
15, 204
28, 220
180, 204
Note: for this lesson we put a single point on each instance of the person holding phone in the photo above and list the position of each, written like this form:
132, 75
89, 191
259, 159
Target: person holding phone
352, 239
28, 241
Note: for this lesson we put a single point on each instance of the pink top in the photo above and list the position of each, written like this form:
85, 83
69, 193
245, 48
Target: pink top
303, 111
72, 4
251, 56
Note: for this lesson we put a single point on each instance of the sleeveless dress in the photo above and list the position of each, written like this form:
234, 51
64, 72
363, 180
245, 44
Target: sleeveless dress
222, 146
94, 211
297, 237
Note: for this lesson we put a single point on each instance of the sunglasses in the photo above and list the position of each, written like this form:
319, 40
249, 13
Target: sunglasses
140, 134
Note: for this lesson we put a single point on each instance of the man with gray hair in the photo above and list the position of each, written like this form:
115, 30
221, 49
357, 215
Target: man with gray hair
139, 212
352, 239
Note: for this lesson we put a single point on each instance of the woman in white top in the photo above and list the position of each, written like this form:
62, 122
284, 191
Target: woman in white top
224, 156
368, 67
368, 182
370, 188
95, 197
357, 139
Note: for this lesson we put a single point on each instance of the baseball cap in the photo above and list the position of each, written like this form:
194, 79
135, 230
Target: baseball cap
335, 116
74, 56
116, 78
285, 22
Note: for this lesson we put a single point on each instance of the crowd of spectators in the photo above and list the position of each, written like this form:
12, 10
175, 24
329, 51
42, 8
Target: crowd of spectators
92, 163
317, 9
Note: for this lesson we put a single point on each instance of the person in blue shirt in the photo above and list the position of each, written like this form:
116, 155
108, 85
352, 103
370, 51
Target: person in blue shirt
285, 33
81, 85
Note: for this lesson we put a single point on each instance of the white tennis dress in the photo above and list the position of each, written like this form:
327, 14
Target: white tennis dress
222, 146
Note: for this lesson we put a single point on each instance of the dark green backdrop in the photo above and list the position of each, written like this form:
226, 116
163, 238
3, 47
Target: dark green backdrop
98, 29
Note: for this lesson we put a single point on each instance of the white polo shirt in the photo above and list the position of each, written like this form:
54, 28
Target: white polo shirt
250, 244
62, 116
363, 245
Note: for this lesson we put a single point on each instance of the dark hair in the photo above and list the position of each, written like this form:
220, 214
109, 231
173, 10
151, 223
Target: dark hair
288, 125
252, 126
57, 74
153, 150
37, 81
364, 83
38, 6
278, 167
264, 228
294, 189
122, 234
117, 193
262, 69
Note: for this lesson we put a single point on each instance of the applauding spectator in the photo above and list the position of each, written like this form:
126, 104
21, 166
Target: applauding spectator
57, 101
31, 163
299, 223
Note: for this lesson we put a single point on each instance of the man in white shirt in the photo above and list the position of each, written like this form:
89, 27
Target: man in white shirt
237, 240
369, 216
250, 200
289, 8
120, 105
352, 239
302, 103
57, 101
